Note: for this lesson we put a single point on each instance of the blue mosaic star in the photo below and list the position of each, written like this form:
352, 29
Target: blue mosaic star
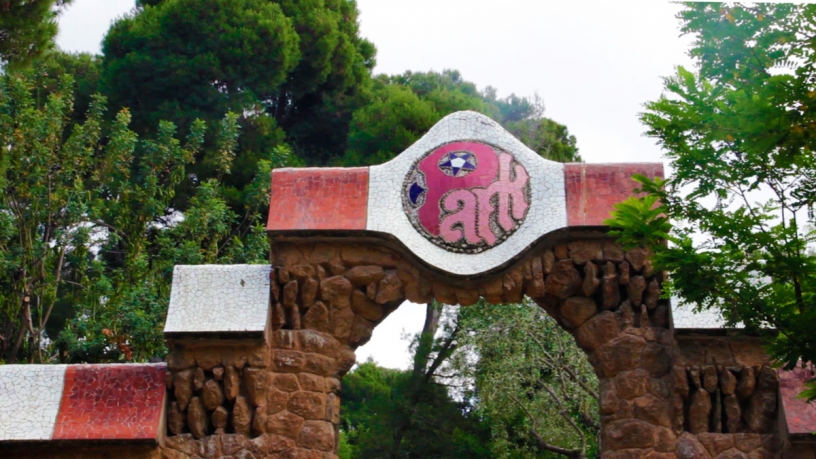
458, 161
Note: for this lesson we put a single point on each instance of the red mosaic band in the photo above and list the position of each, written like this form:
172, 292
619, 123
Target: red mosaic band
592, 190
111, 402
318, 199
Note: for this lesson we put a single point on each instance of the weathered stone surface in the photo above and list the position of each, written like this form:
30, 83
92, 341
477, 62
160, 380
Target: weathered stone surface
219, 419
308, 405
694, 376
467, 296
361, 276
747, 442
361, 330
608, 396
276, 401
175, 419
591, 281
318, 364
610, 291
232, 383
183, 443
198, 378
284, 423
212, 395
631, 384
621, 354
665, 440
584, 251
688, 447
360, 304
285, 382
625, 315
699, 412
656, 359
218, 373
746, 384
680, 379
317, 318
710, 379
716, 443
535, 287
759, 414
271, 444
390, 288
317, 435
652, 295
576, 310
283, 275
728, 382
313, 383
290, 292
612, 251
256, 382
241, 416
628, 433
560, 251
547, 261
653, 410
336, 290
278, 316
716, 412
308, 292
512, 286
637, 257
564, 280
624, 273
345, 360
342, 321
596, 331
635, 289
197, 418
302, 272
183, 388
733, 413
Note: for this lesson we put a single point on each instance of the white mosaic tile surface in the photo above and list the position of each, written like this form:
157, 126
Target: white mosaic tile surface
547, 210
685, 317
29, 401
218, 298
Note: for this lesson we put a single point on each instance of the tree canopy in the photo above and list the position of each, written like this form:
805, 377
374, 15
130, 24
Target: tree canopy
739, 133
27, 30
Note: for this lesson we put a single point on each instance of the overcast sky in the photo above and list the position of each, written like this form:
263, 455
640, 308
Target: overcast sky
594, 63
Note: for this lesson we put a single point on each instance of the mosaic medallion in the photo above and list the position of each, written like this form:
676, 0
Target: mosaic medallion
467, 197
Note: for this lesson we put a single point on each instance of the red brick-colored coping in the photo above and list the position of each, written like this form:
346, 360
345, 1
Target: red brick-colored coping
111, 402
318, 199
800, 415
593, 189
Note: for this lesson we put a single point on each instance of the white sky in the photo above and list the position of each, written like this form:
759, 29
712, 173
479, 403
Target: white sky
595, 63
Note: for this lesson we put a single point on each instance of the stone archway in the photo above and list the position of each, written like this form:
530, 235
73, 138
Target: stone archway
350, 245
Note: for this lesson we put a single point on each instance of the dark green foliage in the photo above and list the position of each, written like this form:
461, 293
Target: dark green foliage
403, 107
373, 398
88, 233
27, 30
740, 137
296, 65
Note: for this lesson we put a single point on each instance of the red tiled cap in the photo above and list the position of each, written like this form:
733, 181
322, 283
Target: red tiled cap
800, 415
318, 199
593, 189
111, 402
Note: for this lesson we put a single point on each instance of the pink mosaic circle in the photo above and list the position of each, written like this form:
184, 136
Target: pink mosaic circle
467, 196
